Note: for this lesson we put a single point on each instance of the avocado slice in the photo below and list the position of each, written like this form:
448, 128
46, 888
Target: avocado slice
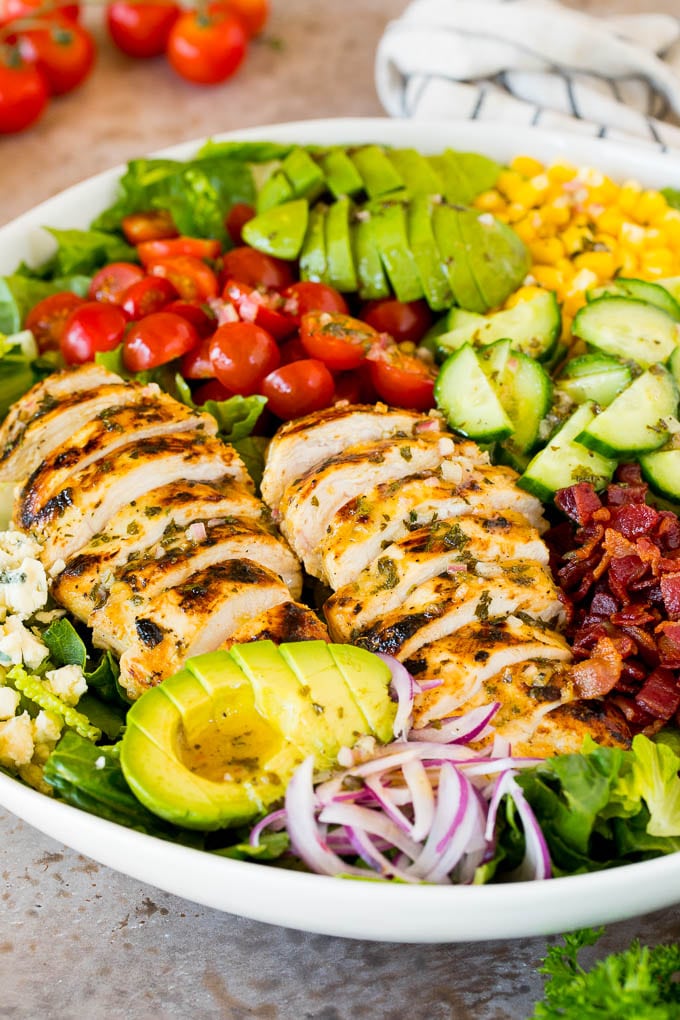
342, 177
418, 175
377, 173
368, 678
279, 231
275, 191
464, 175
340, 271
426, 253
497, 257
452, 249
304, 174
313, 254
389, 229
371, 280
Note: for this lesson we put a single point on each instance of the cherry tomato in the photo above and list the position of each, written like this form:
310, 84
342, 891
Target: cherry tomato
207, 46
347, 387
253, 14
261, 306
93, 326
23, 93
298, 389
402, 320
147, 296
109, 283
47, 319
340, 341
402, 379
259, 270
200, 317
212, 390
12, 10
157, 339
192, 279
307, 296
197, 363
165, 248
148, 226
63, 51
242, 355
141, 29
237, 217
292, 350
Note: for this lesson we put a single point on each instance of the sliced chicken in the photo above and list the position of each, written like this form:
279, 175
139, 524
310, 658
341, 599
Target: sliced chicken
102, 435
445, 604
444, 546
563, 730
309, 504
196, 617
305, 443
364, 526
152, 520
289, 621
70, 518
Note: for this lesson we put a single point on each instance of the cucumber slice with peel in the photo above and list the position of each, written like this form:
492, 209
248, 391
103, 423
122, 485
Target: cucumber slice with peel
596, 377
469, 400
643, 290
662, 470
627, 328
524, 389
534, 326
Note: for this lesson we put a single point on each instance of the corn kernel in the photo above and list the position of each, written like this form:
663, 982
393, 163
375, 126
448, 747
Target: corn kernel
669, 224
650, 204
628, 263
611, 220
601, 263
508, 183
606, 241
515, 212
527, 166
629, 196
566, 327
525, 293
560, 173
555, 213
547, 250
659, 262
525, 229
606, 192
490, 201
575, 238
584, 280
547, 276
631, 234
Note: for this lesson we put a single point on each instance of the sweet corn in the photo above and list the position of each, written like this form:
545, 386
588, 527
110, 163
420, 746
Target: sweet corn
526, 166
490, 201
601, 263
547, 250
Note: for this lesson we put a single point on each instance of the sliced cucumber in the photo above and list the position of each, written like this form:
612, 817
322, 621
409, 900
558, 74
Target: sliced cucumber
564, 461
628, 328
469, 400
635, 421
643, 290
674, 365
672, 285
534, 327
662, 470
595, 377
524, 389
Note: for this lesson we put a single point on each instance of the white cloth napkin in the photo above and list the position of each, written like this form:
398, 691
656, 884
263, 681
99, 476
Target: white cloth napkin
534, 62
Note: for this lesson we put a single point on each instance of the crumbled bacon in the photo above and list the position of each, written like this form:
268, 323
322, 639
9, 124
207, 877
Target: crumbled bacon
617, 561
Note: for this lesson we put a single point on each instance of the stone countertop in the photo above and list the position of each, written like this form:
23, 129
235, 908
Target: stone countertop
78, 940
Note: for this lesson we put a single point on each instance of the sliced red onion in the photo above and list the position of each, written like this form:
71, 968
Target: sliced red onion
496, 765
196, 532
371, 821
276, 820
452, 797
459, 729
422, 795
368, 851
386, 801
427, 685
402, 688
466, 839
536, 863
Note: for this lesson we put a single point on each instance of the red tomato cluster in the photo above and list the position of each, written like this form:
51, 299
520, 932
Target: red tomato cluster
43, 52
241, 324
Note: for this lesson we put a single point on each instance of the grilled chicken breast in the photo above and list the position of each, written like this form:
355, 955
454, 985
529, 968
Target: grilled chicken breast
305, 443
196, 617
288, 621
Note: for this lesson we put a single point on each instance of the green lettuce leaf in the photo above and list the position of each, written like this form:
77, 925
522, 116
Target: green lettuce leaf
68, 648
654, 779
672, 196
19, 293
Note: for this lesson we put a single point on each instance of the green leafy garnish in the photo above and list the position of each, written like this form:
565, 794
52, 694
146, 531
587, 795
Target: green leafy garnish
672, 196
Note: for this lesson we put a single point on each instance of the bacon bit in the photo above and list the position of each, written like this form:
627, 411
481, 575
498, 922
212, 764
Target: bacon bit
599, 674
578, 502
669, 644
660, 694
670, 593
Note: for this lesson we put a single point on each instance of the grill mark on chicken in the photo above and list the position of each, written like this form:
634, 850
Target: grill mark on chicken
289, 621
150, 634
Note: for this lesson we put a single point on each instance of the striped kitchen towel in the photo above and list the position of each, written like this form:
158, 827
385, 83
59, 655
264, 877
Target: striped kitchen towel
534, 62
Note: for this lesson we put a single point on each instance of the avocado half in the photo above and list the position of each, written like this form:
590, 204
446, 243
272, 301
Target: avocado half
216, 744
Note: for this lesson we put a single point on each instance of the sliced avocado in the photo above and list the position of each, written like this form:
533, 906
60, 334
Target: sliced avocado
313, 254
304, 174
342, 177
464, 175
418, 175
388, 225
453, 251
340, 271
275, 191
372, 282
279, 231
426, 254
497, 257
368, 678
377, 173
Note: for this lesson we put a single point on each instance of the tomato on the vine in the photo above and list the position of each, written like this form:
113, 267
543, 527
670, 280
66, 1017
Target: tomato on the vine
141, 29
111, 281
154, 225
298, 388
236, 219
63, 51
47, 319
207, 46
166, 248
191, 277
402, 320
157, 339
402, 379
93, 326
253, 14
146, 296
338, 340
261, 306
23, 92
254, 267
242, 355
307, 296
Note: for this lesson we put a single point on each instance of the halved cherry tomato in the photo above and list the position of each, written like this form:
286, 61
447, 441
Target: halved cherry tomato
207, 45
197, 363
110, 282
141, 29
154, 225
47, 319
253, 14
12, 10
347, 387
192, 279
261, 306
200, 317
308, 296
338, 340
62, 50
237, 217
212, 390
157, 339
254, 267
145, 297
242, 355
292, 350
23, 93
402, 320
402, 379
91, 327
165, 248
298, 389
